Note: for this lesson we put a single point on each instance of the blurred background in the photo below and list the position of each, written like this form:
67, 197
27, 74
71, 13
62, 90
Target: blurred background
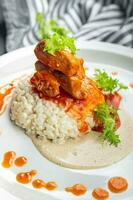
101, 20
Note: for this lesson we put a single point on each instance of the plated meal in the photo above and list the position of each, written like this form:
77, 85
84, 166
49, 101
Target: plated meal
74, 119
71, 118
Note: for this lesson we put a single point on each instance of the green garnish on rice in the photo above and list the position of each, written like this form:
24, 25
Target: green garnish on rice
105, 112
107, 115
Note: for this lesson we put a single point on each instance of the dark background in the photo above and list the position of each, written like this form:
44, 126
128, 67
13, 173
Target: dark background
2, 34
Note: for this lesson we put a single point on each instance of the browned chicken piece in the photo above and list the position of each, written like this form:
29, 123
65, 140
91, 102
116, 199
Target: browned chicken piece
45, 83
40, 66
80, 73
73, 85
62, 61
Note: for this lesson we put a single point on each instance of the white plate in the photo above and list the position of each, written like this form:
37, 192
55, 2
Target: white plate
96, 54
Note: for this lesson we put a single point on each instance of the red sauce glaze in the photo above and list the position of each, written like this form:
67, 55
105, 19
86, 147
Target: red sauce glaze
84, 127
77, 189
8, 159
100, 194
3, 96
51, 185
117, 184
25, 177
79, 109
38, 184
20, 161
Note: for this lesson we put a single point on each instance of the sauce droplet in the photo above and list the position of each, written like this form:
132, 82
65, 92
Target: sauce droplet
25, 177
84, 127
114, 73
100, 194
20, 161
8, 159
3, 95
51, 185
131, 84
38, 183
77, 189
117, 184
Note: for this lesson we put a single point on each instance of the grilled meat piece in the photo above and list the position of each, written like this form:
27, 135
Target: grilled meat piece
40, 66
45, 83
76, 87
62, 61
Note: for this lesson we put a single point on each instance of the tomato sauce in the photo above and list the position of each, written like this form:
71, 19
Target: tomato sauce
117, 184
84, 127
3, 95
79, 109
77, 189
38, 184
51, 185
8, 159
20, 161
26, 177
100, 194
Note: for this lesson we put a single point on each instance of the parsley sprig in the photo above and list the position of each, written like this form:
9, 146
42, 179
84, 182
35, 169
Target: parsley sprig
55, 37
47, 28
107, 115
57, 43
106, 82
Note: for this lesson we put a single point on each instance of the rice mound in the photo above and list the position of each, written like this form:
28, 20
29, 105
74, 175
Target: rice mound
40, 118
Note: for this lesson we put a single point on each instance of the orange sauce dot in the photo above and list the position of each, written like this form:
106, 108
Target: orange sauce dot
38, 183
8, 159
114, 73
84, 127
131, 84
33, 172
3, 95
51, 185
77, 189
25, 177
100, 194
20, 161
117, 184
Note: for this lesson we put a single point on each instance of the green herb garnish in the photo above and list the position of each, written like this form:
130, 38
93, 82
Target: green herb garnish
57, 43
47, 28
108, 115
55, 37
106, 82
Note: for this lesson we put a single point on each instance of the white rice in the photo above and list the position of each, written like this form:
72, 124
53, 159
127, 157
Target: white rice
41, 118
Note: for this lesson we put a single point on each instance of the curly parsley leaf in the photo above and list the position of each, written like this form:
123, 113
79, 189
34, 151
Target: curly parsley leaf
57, 43
106, 82
107, 116
55, 37
47, 28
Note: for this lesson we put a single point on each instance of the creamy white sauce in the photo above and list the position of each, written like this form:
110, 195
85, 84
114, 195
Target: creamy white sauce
89, 151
